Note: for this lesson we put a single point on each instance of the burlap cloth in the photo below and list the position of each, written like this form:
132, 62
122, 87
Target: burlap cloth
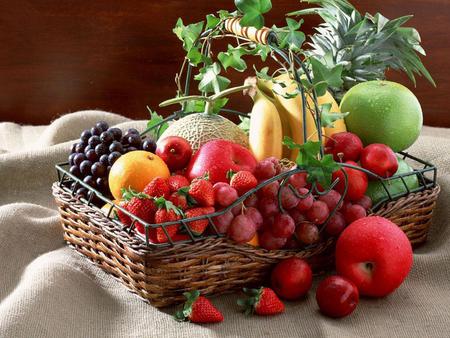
48, 290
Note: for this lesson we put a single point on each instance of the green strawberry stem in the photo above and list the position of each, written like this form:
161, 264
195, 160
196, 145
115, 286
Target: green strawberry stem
191, 297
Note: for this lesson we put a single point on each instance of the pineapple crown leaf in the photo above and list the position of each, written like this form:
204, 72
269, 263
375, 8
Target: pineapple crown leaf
128, 194
365, 45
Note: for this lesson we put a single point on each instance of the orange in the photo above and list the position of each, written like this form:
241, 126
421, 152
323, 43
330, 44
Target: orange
135, 170
254, 241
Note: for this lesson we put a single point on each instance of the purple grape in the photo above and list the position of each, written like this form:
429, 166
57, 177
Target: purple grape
113, 157
134, 140
130, 149
132, 131
116, 132
149, 145
85, 167
81, 192
72, 149
102, 125
104, 159
91, 155
79, 148
101, 149
102, 183
106, 137
78, 159
89, 180
116, 146
85, 135
94, 140
71, 157
108, 169
96, 131
74, 170
98, 169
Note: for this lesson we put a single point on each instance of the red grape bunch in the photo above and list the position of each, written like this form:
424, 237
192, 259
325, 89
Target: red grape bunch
91, 158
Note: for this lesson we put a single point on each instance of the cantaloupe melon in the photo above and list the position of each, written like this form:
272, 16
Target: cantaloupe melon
200, 128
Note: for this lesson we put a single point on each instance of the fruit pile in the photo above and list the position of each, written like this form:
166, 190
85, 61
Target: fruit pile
98, 149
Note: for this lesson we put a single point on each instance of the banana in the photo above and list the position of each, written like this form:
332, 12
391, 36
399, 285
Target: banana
266, 134
292, 110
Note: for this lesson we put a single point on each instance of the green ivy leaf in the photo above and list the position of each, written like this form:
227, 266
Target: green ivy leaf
198, 106
188, 34
245, 124
308, 158
328, 118
253, 11
232, 58
262, 50
223, 14
325, 76
210, 80
211, 21
263, 73
289, 36
156, 121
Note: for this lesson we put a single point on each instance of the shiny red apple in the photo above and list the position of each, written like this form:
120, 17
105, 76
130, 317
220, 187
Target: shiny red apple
379, 159
337, 296
375, 254
356, 179
175, 151
344, 146
217, 157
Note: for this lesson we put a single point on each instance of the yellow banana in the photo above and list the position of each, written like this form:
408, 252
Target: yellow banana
265, 137
266, 88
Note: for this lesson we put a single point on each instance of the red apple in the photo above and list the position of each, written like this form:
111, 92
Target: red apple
337, 296
344, 146
379, 159
357, 182
217, 157
175, 151
375, 254
291, 278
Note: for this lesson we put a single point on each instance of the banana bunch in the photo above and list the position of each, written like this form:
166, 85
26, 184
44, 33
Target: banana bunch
274, 116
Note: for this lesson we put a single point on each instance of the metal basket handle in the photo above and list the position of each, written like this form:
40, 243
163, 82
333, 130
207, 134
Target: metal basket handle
256, 35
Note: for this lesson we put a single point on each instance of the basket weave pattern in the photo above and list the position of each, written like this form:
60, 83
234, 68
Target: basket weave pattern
214, 265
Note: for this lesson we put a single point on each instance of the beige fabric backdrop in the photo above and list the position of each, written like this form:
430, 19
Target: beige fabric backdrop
48, 290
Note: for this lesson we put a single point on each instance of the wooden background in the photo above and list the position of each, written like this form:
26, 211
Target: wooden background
60, 56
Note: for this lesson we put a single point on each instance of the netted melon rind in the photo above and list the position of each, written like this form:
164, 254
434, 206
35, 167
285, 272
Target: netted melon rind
200, 128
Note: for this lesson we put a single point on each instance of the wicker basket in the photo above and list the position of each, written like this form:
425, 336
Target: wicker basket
214, 265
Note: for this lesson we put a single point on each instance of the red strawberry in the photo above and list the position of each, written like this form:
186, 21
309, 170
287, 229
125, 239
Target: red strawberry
167, 212
158, 187
177, 182
243, 181
124, 218
262, 301
198, 226
202, 192
179, 200
142, 206
198, 309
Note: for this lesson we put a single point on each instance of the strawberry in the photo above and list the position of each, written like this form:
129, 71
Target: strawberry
198, 226
198, 309
179, 200
177, 182
167, 212
201, 190
243, 181
158, 187
262, 301
140, 205
124, 218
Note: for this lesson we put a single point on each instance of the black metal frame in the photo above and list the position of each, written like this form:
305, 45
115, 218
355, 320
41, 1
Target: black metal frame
66, 179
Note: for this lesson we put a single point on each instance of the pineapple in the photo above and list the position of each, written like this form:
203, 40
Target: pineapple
366, 46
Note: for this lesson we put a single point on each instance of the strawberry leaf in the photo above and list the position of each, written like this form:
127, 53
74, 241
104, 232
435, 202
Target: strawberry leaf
128, 194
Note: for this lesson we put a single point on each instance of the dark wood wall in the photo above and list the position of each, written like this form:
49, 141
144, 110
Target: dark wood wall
60, 56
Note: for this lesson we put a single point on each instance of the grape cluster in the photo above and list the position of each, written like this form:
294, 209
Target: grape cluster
98, 149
